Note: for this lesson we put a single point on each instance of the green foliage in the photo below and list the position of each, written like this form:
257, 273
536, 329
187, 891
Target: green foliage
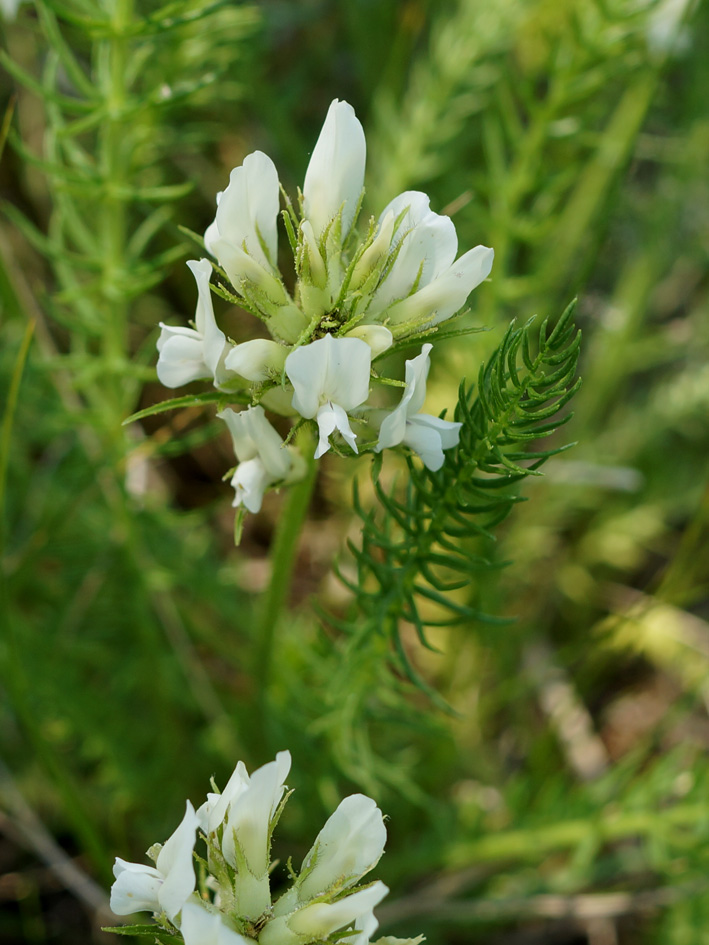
116, 83
417, 548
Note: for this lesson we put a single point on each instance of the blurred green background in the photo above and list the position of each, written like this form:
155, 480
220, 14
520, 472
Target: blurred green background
567, 800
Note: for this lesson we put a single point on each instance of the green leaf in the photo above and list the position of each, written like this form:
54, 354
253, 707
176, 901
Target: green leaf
433, 527
178, 403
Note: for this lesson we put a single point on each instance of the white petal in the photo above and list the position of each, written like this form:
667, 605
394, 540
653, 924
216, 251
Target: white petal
211, 235
428, 243
250, 481
254, 437
327, 424
377, 337
243, 443
251, 811
447, 294
393, 428
254, 359
214, 340
348, 369
181, 357
240, 266
176, 863
335, 369
217, 804
200, 927
249, 207
448, 430
331, 417
135, 889
414, 204
416, 376
366, 926
335, 174
321, 919
349, 845
425, 441
307, 369
212, 232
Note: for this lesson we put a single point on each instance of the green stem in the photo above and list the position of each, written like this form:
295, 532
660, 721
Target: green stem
283, 555
7, 421
117, 144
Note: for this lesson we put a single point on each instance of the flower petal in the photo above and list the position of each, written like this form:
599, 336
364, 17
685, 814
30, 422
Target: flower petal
428, 243
213, 811
448, 430
248, 209
254, 437
393, 429
135, 889
335, 369
200, 927
321, 919
446, 295
349, 845
331, 417
214, 340
251, 811
180, 358
348, 369
250, 481
416, 376
176, 863
335, 174
425, 441
241, 438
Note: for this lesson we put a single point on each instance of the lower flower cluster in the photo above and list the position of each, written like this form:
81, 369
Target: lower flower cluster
233, 904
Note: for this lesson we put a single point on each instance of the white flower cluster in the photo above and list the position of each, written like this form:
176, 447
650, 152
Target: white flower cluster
352, 300
234, 907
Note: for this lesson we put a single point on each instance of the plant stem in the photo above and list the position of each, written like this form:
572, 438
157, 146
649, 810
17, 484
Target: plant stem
283, 554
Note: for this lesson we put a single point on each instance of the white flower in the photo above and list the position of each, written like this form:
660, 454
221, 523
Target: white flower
190, 354
425, 244
335, 175
319, 920
249, 813
200, 927
263, 459
349, 845
164, 887
244, 234
330, 377
424, 434
428, 247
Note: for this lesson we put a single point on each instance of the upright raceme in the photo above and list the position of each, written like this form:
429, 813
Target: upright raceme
356, 294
